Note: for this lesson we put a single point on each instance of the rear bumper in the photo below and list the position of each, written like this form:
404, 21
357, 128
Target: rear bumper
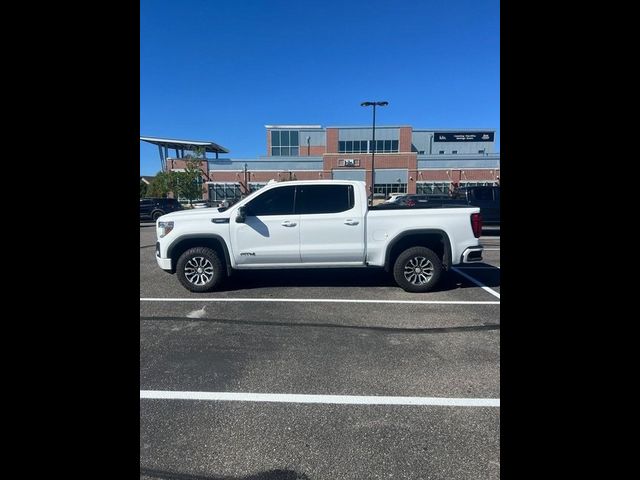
472, 255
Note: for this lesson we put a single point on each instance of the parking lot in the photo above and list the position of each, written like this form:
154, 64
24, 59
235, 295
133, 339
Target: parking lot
320, 374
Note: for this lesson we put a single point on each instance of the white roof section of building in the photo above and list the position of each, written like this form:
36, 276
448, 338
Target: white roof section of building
173, 143
453, 130
293, 127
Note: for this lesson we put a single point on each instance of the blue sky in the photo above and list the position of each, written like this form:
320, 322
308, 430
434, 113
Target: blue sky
220, 70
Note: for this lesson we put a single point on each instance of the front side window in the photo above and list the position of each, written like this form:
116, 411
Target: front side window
311, 199
276, 201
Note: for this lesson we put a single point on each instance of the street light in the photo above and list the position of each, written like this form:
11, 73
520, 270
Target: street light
373, 141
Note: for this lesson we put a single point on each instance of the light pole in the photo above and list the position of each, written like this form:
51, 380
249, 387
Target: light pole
246, 182
373, 142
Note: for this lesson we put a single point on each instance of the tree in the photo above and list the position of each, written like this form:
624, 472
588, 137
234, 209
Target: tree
163, 183
143, 189
190, 186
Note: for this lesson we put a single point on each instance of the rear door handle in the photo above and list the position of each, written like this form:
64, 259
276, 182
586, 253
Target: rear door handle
288, 223
351, 222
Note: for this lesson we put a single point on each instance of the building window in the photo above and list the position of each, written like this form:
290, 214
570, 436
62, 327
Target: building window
284, 143
253, 186
224, 191
388, 188
441, 152
481, 151
464, 183
454, 151
433, 188
364, 146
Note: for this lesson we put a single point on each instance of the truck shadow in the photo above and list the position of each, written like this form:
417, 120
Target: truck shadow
491, 231
269, 475
352, 277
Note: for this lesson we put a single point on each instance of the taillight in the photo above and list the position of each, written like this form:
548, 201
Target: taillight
476, 224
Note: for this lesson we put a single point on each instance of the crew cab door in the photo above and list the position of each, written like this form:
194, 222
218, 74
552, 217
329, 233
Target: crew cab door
270, 233
331, 224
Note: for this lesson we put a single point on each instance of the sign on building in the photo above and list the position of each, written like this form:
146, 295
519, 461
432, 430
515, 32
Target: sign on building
463, 136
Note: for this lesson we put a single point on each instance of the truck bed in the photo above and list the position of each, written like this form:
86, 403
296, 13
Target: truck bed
386, 223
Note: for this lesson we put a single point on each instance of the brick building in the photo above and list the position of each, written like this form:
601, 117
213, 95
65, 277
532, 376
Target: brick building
430, 161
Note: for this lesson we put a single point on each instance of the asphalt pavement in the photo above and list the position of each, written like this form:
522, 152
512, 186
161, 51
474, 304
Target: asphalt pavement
343, 333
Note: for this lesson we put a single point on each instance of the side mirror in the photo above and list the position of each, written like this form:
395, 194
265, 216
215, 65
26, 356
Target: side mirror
242, 215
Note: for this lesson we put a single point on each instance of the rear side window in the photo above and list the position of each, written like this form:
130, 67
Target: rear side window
312, 199
277, 201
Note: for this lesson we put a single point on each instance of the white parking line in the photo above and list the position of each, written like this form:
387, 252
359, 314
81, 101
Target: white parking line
323, 300
481, 285
479, 268
492, 249
331, 399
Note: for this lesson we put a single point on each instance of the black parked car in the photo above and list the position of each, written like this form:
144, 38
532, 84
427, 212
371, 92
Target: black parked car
156, 207
485, 197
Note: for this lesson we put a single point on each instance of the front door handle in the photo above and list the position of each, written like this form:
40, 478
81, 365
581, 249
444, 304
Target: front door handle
288, 223
351, 222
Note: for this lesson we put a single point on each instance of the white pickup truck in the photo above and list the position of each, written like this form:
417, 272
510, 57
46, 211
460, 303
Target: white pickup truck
316, 224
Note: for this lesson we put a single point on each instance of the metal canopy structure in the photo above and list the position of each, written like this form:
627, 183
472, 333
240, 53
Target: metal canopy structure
164, 144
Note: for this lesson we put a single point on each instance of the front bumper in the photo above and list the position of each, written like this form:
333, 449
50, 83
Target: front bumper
472, 254
163, 263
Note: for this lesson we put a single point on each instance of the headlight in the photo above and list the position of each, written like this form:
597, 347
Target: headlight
164, 228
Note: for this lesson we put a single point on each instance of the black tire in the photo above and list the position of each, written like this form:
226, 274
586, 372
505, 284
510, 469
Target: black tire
209, 278
422, 267
156, 215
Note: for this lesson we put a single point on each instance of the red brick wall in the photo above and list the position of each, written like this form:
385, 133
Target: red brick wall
397, 161
269, 143
332, 140
313, 150
382, 160
263, 177
405, 139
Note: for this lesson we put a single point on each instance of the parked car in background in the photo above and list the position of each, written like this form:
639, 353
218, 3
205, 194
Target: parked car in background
487, 198
392, 198
412, 200
154, 208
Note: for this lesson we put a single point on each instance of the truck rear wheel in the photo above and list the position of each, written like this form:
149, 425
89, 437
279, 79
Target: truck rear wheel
199, 269
417, 269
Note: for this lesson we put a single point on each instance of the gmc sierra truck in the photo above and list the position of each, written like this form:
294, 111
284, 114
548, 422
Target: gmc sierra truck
316, 224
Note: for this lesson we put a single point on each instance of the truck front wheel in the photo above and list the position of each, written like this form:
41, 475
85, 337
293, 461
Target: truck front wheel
199, 269
417, 269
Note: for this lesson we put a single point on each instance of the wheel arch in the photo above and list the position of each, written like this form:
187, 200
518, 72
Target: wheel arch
209, 240
432, 238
